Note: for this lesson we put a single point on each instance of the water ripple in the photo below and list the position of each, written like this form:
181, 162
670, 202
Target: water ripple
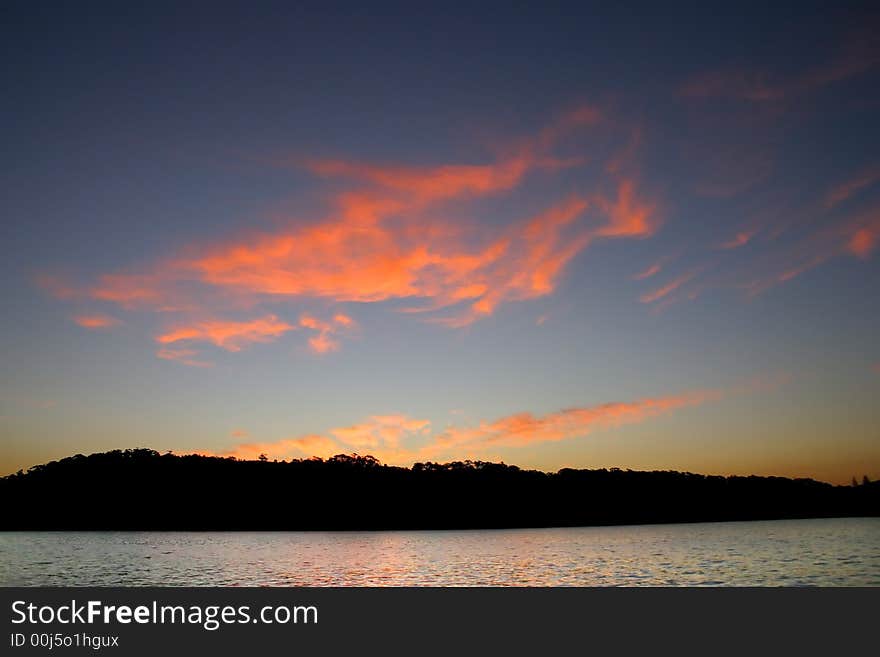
831, 552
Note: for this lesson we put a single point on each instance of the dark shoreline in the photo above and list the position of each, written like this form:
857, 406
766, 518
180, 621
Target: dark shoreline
142, 490
423, 529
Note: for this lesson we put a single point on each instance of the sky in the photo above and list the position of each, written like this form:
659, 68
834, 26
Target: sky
547, 234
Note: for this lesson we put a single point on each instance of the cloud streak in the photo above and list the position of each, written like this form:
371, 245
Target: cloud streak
228, 335
523, 429
849, 188
182, 356
859, 56
740, 239
402, 439
647, 273
666, 290
96, 321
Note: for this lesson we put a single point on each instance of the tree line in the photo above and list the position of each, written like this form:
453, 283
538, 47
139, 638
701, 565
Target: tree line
141, 489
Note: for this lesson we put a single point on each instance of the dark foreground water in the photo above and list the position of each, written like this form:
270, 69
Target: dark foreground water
830, 552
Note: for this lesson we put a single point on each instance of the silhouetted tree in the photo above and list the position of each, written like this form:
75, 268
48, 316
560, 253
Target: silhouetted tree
142, 489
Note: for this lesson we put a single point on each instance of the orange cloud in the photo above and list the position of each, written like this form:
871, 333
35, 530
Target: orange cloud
384, 436
372, 262
238, 433
628, 214
426, 184
524, 429
667, 289
229, 335
381, 431
863, 242
524, 264
362, 260
183, 356
864, 236
740, 239
131, 290
647, 273
387, 236
96, 321
324, 342
418, 186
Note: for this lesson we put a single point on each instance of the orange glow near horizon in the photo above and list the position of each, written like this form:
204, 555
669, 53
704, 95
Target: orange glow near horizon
383, 435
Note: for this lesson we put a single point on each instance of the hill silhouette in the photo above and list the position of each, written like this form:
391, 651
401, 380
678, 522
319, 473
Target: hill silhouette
140, 489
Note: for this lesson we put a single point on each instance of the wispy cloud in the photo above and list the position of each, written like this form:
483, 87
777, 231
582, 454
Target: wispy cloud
740, 239
524, 429
854, 235
383, 239
228, 335
647, 273
859, 55
96, 321
182, 356
381, 431
324, 341
665, 290
402, 439
850, 187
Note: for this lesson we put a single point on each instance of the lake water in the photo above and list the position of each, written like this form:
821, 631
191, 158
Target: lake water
828, 552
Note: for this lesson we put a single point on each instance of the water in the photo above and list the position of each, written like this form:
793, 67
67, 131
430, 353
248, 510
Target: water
828, 552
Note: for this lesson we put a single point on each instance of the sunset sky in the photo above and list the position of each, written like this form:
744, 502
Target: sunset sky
557, 237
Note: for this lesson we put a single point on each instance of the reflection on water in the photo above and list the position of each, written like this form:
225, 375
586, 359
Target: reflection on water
777, 553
